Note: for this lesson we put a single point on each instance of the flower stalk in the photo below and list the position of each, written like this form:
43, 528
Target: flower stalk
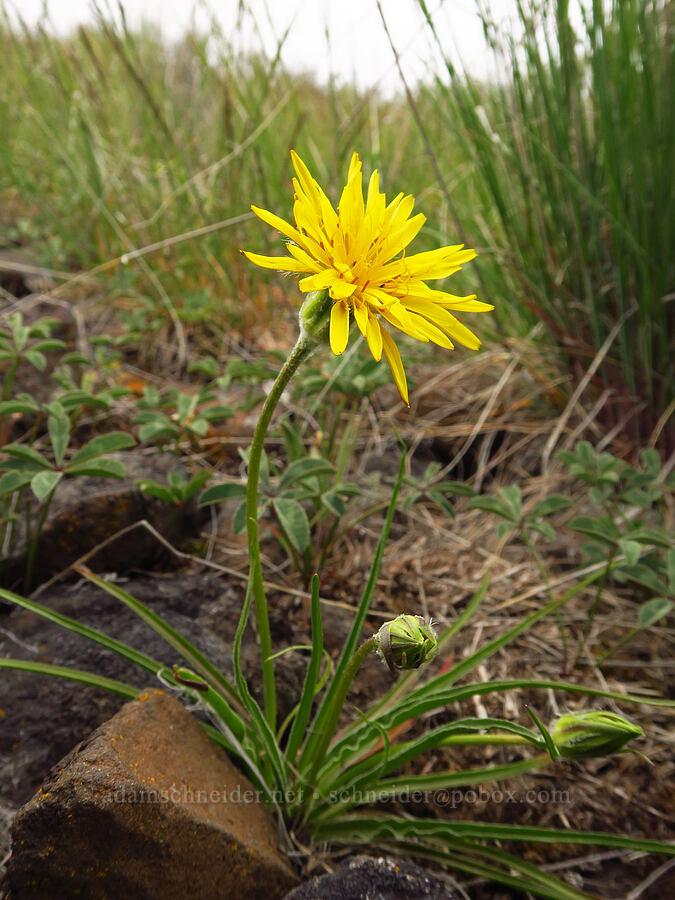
302, 350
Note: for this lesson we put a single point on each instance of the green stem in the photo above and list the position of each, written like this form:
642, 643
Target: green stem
9, 379
34, 540
338, 702
300, 352
544, 574
590, 615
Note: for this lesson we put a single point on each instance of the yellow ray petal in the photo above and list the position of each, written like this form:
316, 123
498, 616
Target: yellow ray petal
280, 263
340, 290
394, 359
318, 282
279, 223
361, 316
304, 256
431, 332
339, 327
468, 304
374, 336
444, 320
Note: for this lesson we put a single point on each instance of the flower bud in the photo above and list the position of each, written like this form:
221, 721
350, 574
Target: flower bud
315, 317
589, 734
406, 642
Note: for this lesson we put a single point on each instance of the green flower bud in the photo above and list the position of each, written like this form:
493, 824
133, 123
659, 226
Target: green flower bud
406, 642
315, 317
590, 734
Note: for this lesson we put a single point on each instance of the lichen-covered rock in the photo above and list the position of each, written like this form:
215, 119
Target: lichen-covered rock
382, 877
148, 807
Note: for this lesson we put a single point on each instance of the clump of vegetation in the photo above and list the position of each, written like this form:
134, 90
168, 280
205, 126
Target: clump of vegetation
130, 166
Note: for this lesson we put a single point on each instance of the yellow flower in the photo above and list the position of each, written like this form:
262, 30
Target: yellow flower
358, 255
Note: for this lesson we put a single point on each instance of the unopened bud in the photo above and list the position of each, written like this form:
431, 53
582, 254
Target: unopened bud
315, 317
406, 642
589, 734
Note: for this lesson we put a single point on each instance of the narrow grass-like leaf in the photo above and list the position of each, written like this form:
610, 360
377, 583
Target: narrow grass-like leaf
375, 828
545, 733
308, 691
273, 765
399, 754
358, 741
92, 634
97, 681
188, 651
459, 855
320, 720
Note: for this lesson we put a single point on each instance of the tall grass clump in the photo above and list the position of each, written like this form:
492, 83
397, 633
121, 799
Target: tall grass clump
117, 140
573, 148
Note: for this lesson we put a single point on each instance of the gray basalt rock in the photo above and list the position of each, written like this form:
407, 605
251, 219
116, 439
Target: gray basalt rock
86, 512
379, 878
43, 718
147, 807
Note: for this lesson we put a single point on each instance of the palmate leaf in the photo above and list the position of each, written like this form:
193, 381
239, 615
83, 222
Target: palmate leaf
98, 446
293, 520
59, 434
15, 480
217, 493
98, 468
44, 483
304, 468
23, 404
653, 610
492, 505
27, 455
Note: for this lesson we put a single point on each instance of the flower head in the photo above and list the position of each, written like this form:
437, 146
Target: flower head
595, 733
406, 642
357, 254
